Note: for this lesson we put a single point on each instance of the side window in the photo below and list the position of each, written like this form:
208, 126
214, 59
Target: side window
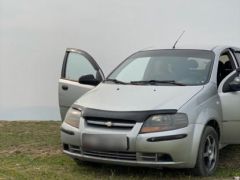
237, 54
78, 65
225, 66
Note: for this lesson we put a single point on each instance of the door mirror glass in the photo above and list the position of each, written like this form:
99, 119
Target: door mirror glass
88, 79
235, 84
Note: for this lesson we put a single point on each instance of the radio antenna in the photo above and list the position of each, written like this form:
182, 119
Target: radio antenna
174, 46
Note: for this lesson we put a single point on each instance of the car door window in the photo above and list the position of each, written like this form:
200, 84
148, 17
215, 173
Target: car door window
78, 65
237, 55
225, 66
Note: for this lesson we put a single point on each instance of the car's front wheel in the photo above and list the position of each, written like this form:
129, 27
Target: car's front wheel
208, 152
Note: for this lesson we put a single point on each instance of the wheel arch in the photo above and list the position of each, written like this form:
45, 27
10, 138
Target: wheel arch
214, 124
198, 132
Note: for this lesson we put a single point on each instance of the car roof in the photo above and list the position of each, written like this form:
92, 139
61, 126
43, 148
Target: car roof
198, 47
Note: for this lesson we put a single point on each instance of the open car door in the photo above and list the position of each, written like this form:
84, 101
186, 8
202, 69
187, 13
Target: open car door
229, 93
77, 64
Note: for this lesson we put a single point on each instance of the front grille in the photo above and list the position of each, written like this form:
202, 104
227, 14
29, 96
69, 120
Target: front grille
130, 156
111, 155
157, 157
110, 123
148, 156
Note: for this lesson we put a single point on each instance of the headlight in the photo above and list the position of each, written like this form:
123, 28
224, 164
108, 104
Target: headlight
164, 122
73, 117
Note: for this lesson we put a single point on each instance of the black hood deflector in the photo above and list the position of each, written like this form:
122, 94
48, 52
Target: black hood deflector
137, 116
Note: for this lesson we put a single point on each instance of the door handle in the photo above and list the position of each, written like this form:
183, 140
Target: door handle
65, 87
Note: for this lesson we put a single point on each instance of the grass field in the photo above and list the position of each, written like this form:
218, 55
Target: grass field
32, 150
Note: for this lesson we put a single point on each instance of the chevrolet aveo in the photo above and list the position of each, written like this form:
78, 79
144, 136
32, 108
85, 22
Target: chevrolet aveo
159, 108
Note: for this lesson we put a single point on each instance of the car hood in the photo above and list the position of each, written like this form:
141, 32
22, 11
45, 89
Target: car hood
114, 97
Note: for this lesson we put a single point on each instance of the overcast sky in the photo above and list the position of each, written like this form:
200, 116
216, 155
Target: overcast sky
34, 35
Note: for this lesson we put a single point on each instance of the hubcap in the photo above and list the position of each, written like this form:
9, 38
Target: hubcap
210, 153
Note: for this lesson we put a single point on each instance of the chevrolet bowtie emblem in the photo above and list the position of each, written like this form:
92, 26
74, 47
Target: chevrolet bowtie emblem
108, 124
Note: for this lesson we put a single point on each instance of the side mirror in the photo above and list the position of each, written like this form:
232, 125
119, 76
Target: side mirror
88, 79
235, 84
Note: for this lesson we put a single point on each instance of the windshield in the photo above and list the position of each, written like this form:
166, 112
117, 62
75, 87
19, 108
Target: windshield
175, 67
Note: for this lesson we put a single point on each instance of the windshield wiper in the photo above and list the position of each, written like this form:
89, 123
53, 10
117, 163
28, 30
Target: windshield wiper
158, 82
116, 81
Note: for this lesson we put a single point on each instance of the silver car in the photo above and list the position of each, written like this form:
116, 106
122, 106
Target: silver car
159, 108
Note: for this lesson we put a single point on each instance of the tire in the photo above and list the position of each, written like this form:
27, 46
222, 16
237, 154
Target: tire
208, 153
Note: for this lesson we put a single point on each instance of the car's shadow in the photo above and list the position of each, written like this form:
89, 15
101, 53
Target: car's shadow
229, 158
136, 172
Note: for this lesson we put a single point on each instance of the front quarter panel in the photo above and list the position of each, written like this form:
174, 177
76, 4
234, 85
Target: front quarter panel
205, 106
202, 108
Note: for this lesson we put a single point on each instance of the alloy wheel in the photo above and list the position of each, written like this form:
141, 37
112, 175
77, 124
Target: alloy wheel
210, 153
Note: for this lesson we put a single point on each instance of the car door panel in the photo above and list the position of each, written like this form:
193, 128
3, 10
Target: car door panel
76, 63
230, 101
68, 96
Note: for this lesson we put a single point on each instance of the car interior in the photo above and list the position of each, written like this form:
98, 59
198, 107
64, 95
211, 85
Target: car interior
225, 66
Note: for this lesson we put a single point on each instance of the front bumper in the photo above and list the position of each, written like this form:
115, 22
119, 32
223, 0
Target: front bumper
180, 152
